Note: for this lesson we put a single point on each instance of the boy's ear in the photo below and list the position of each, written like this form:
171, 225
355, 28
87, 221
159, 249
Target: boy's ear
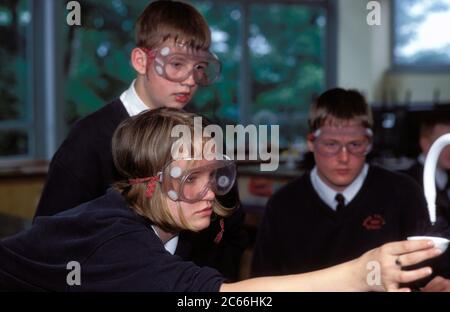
139, 61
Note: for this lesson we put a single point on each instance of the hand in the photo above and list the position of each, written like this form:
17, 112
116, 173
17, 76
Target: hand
392, 257
437, 284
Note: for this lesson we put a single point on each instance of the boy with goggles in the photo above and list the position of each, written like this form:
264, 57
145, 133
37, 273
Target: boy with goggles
120, 237
344, 206
171, 61
204, 66
327, 146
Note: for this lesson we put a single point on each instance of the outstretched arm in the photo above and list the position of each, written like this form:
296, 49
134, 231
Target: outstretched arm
353, 275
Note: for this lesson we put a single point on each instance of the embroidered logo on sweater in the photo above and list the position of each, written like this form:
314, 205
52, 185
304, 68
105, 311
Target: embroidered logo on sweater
373, 222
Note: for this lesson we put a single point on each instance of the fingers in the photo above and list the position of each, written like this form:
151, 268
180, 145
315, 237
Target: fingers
410, 276
393, 276
396, 277
403, 277
393, 256
418, 256
398, 248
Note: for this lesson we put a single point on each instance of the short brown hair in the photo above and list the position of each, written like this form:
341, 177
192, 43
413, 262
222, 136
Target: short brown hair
175, 20
339, 104
430, 119
141, 147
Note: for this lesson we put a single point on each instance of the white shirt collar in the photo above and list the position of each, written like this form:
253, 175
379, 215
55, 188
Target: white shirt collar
327, 194
441, 175
171, 244
132, 102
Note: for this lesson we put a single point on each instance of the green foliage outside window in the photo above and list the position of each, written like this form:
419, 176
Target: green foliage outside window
14, 108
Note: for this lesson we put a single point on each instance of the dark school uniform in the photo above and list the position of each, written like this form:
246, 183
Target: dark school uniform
114, 249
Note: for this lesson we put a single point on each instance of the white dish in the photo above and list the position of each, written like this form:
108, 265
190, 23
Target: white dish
439, 242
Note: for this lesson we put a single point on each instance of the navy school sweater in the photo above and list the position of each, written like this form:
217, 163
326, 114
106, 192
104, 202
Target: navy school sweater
300, 233
117, 250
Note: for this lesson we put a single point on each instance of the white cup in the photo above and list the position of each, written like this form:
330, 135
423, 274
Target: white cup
439, 242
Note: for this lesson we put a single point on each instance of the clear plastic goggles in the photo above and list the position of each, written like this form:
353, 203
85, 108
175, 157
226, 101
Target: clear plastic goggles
177, 67
189, 180
326, 144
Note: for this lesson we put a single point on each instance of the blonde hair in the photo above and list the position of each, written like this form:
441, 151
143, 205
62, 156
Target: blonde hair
141, 147
175, 20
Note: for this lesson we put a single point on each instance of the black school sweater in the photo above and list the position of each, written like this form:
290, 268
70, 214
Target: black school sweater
82, 169
116, 249
300, 233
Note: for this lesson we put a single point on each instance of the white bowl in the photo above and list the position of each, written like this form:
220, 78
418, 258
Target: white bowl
439, 242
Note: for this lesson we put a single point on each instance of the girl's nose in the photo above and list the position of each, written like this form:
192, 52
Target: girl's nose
210, 195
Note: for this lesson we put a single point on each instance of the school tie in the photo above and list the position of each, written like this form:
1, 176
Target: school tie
340, 199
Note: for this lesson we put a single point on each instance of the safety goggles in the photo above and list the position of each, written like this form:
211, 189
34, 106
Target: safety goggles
326, 144
189, 179
177, 67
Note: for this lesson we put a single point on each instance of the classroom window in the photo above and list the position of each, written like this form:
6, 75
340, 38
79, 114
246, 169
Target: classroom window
421, 33
15, 110
97, 67
287, 59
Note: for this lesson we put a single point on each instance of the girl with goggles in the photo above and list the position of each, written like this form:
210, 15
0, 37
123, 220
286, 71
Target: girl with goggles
189, 180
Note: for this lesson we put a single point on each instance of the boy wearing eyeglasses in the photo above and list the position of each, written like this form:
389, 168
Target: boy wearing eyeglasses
171, 60
343, 207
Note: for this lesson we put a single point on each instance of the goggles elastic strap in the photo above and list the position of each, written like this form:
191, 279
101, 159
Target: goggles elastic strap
311, 136
220, 234
151, 184
151, 54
